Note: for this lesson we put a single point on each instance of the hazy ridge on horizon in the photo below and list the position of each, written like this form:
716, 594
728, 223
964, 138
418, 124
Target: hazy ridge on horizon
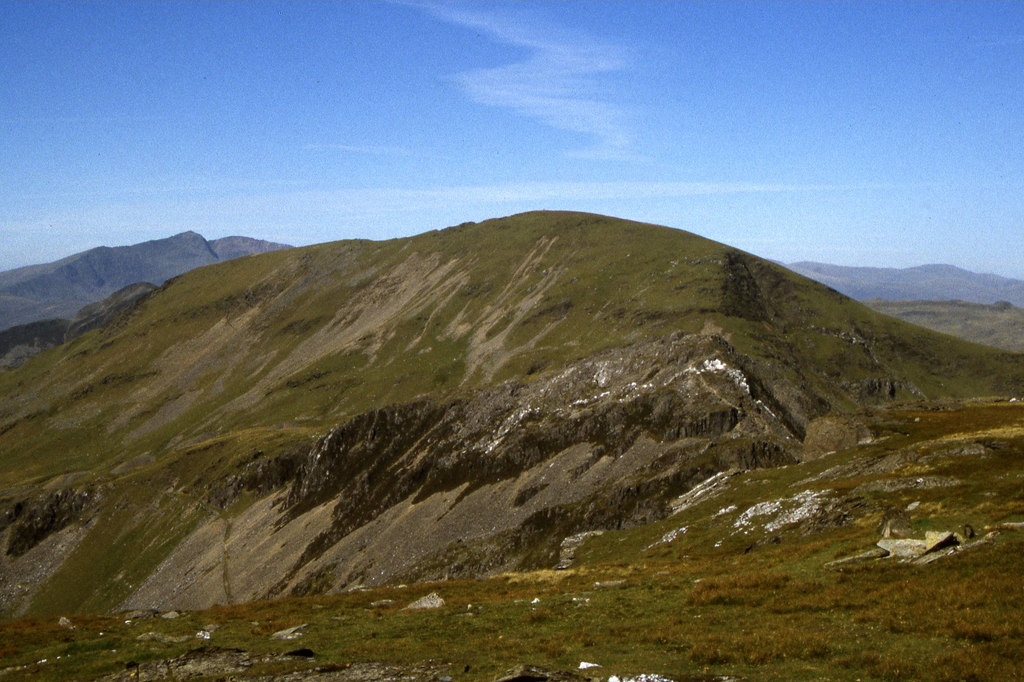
932, 282
59, 289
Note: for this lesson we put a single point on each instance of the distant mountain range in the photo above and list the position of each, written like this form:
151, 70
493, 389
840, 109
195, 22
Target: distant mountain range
61, 288
922, 283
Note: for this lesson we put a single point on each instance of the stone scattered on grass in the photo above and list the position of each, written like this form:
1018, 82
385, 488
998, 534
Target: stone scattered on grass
668, 538
431, 601
532, 673
783, 512
162, 638
956, 548
1007, 525
930, 557
935, 545
891, 485
65, 623
290, 633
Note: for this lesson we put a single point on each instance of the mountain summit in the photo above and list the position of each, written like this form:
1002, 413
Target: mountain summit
61, 288
455, 403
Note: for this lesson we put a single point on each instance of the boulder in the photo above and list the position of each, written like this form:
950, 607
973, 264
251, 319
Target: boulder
431, 601
290, 633
930, 557
903, 548
935, 540
831, 433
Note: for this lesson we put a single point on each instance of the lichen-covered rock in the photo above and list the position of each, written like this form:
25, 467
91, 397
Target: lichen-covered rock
935, 540
431, 601
907, 548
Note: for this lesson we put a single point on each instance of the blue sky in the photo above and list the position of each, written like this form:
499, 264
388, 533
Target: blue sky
857, 133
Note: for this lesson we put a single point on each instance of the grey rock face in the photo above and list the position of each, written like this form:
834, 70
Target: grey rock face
907, 548
682, 408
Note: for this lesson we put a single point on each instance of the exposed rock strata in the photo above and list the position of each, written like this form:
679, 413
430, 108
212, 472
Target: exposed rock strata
489, 480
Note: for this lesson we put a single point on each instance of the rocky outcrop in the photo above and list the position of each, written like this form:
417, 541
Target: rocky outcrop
607, 442
486, 480
31, 521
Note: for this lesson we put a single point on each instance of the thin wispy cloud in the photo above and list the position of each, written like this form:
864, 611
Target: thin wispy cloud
562, 81
363, 149
252, 208
300, 205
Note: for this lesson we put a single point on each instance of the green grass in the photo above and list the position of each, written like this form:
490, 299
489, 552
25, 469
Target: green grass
689, 607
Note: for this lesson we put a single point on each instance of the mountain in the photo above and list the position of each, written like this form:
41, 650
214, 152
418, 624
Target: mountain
455, 404
922, 283
61, 288
1000, 325
18, 344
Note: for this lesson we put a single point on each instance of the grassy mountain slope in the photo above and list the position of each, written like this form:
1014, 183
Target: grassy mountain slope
277, 424
1000, 325
739, 581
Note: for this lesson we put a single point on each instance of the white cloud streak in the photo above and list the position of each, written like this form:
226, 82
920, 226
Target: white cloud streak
365, 149
291, 207
562, 81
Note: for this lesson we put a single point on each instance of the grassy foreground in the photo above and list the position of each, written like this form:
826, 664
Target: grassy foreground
701, 592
